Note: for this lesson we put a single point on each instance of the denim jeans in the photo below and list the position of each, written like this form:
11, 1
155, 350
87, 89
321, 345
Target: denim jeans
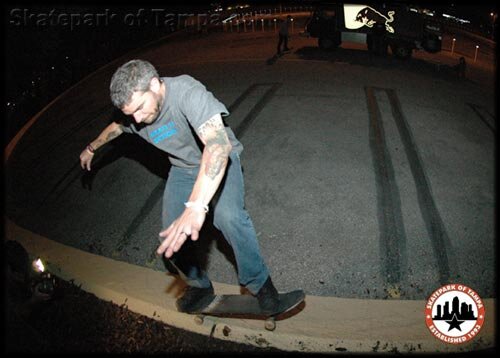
230, 217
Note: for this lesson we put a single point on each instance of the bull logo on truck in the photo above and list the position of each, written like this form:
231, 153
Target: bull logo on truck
357, 16
369, 17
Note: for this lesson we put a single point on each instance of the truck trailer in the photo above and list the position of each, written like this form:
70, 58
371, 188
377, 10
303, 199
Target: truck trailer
397, 26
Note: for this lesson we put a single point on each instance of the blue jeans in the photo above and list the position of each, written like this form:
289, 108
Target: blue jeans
230, 217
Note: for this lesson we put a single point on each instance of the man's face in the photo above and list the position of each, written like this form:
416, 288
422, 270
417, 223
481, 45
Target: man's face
144, 106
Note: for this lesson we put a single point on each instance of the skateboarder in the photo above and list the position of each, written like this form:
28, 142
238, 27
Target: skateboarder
168, 113
283, 35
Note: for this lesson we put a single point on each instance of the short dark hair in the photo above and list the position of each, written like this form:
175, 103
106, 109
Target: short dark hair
135, 75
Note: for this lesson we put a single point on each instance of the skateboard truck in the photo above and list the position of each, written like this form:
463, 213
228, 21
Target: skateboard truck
269, 324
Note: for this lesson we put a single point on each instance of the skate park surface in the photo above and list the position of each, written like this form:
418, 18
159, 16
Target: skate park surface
370, 182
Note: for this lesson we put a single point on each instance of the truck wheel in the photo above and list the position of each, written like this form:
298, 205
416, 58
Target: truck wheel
376, 45
369, 42
401, 52
432, 44
327, 44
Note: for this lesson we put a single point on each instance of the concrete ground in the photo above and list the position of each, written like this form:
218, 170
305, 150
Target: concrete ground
367, 178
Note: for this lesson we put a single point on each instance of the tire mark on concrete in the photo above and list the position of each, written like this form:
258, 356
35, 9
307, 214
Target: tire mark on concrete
54, 188
242, 97
58, 190
441, 243
256, 109
145, 210
392, 233
477, 109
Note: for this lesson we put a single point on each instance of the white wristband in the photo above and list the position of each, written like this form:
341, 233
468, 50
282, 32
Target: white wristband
196, 205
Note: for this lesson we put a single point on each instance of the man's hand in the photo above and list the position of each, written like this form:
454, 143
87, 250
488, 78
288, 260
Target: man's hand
188, 224
85, 159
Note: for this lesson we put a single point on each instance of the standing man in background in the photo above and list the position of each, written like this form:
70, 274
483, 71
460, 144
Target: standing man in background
283, 35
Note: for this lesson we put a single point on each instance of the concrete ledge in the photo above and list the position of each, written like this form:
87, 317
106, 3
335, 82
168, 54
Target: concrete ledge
326, 324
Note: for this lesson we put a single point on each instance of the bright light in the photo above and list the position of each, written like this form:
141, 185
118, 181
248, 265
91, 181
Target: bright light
462, 21
229, 18
38, 265
423, 11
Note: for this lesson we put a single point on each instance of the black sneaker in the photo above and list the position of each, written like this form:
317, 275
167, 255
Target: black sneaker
268, 297
195, 298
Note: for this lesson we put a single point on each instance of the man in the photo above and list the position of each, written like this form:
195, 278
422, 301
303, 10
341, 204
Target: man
460, 68
168, 113
283, 35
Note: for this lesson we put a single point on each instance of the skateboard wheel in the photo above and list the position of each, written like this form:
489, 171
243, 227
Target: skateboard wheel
270, 324
199, 319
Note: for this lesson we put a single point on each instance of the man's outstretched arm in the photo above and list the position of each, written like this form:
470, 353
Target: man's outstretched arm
212, 169
109, 133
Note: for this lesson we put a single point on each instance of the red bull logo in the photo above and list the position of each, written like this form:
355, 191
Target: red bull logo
357, 16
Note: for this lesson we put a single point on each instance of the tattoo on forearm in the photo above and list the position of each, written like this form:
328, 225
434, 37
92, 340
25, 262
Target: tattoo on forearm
217, 145
217, 158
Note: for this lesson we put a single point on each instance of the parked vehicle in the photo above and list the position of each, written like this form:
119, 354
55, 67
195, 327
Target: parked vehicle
381, 26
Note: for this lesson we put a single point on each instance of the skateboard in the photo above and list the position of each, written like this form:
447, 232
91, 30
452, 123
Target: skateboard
247, 306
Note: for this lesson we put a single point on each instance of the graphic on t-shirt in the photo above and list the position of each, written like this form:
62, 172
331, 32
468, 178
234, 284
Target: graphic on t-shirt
163, 132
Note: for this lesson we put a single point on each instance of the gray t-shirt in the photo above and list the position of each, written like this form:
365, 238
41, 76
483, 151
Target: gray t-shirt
187, 105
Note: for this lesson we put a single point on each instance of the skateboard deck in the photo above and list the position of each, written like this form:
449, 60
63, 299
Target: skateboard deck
247, 306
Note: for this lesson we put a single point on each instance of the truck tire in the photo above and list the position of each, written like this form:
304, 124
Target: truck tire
376, 45
329, 43
402, 52
326, 43
369, 42
432, 44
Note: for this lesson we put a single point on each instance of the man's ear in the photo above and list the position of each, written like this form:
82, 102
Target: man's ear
155, 85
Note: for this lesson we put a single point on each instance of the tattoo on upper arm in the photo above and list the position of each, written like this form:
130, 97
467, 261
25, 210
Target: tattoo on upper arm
213, 124
217, 145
